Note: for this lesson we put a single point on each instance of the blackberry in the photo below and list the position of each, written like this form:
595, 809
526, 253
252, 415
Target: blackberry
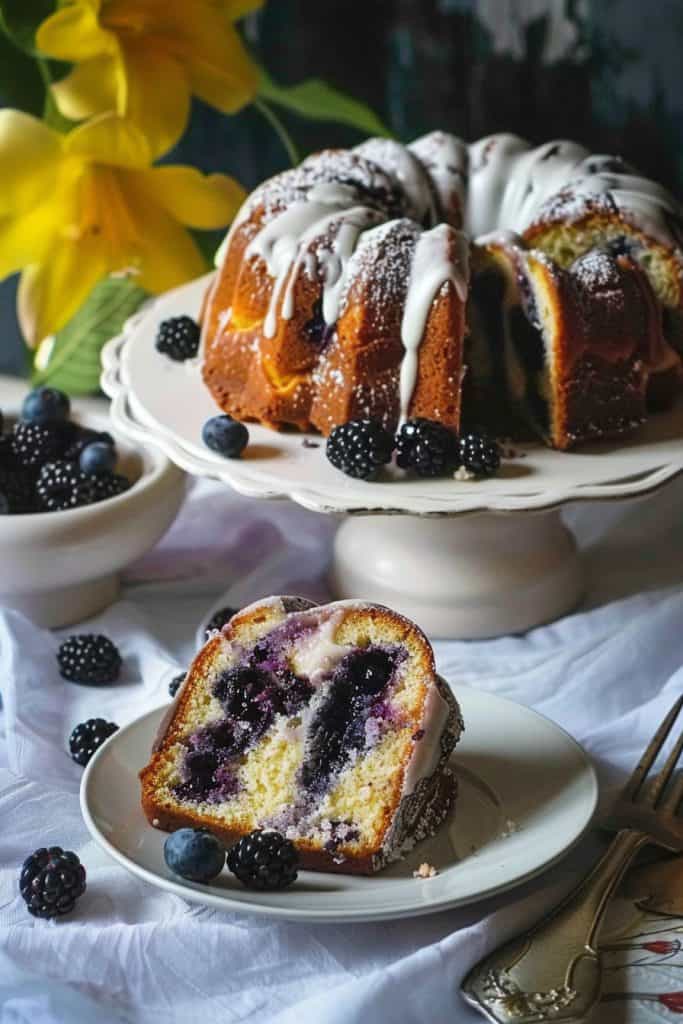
359, 448
426, 447
61, 485
108, 485
51, 881
264, 860
35, 443
178, 338
174, 685
89, 658
8, 459
219, 619
226, 436
17, 488
479, 454
88, 737
45, 405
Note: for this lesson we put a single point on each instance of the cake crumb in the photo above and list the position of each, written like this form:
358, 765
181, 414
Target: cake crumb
509, 828
463, 474
425, 870
155, 822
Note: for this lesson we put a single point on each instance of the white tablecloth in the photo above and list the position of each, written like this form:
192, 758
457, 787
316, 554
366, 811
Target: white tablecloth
133, 953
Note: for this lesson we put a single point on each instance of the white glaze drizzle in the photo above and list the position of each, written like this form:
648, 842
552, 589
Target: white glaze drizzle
512, 185
400, 164
316, 656
427, 750
441, 255
501, 182
284, 244
446, 160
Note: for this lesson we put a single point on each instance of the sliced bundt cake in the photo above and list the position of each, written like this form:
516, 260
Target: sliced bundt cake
343, 289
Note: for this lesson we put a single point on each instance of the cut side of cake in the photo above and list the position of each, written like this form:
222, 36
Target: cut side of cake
578, 345
327, 723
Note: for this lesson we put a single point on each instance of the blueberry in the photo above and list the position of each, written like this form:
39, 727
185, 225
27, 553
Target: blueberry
45, 405
226, 436
369, 671
194, 854
98, 457
241, 691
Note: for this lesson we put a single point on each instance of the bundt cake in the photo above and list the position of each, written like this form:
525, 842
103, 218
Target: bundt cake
365, 284
327, 723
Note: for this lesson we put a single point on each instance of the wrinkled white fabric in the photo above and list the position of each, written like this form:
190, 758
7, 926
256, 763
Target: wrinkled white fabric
133, 953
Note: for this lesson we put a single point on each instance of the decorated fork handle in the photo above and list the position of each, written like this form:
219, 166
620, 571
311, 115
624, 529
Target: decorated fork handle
553, 971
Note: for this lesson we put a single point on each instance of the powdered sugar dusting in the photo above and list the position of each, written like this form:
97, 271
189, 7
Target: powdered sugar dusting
596, 270
381, 263
371, 183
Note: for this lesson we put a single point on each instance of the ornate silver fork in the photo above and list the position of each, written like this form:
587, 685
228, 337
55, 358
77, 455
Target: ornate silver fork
553, 972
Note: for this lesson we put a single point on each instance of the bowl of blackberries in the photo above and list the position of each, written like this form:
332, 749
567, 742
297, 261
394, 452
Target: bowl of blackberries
77, 504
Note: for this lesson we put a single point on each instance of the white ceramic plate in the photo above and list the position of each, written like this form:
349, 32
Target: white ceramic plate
167, 402
527, 792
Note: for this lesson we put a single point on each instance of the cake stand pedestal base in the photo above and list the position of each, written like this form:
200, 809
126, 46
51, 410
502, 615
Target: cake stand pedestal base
63, 606
464, 577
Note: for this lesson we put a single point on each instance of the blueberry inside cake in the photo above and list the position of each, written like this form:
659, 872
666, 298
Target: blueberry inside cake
328, 723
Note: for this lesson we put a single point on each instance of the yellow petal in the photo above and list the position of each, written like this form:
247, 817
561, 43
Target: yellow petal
29, 158
95, 86
201, 201
221, 71
74, 33
166, 254
158, 98
26, 239
109, 139
50, 292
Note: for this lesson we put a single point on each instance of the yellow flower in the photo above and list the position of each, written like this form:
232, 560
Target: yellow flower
144, 59
76, 207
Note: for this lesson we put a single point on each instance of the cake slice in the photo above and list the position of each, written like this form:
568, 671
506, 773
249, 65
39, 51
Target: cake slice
328, 723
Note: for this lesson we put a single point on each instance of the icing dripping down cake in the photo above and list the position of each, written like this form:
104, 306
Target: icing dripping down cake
348, 288
328, 723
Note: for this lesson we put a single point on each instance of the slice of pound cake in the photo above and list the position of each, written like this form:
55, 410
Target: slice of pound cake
327, 723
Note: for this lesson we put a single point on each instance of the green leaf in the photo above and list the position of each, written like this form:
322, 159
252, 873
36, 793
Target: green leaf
21, 18
73, 364
318, 101
21, 84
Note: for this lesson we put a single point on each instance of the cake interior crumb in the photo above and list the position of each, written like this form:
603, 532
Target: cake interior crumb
425, 870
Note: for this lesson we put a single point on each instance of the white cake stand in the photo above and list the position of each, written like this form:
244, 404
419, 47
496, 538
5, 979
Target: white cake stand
465, 559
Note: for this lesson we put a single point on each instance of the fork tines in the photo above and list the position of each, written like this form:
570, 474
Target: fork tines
653, 795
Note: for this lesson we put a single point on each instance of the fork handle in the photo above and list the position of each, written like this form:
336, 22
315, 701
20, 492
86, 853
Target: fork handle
553, 970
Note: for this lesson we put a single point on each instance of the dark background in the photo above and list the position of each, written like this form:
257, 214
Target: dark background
608, 73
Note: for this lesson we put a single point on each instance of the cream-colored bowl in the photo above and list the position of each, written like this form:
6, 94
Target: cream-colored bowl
59, 568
